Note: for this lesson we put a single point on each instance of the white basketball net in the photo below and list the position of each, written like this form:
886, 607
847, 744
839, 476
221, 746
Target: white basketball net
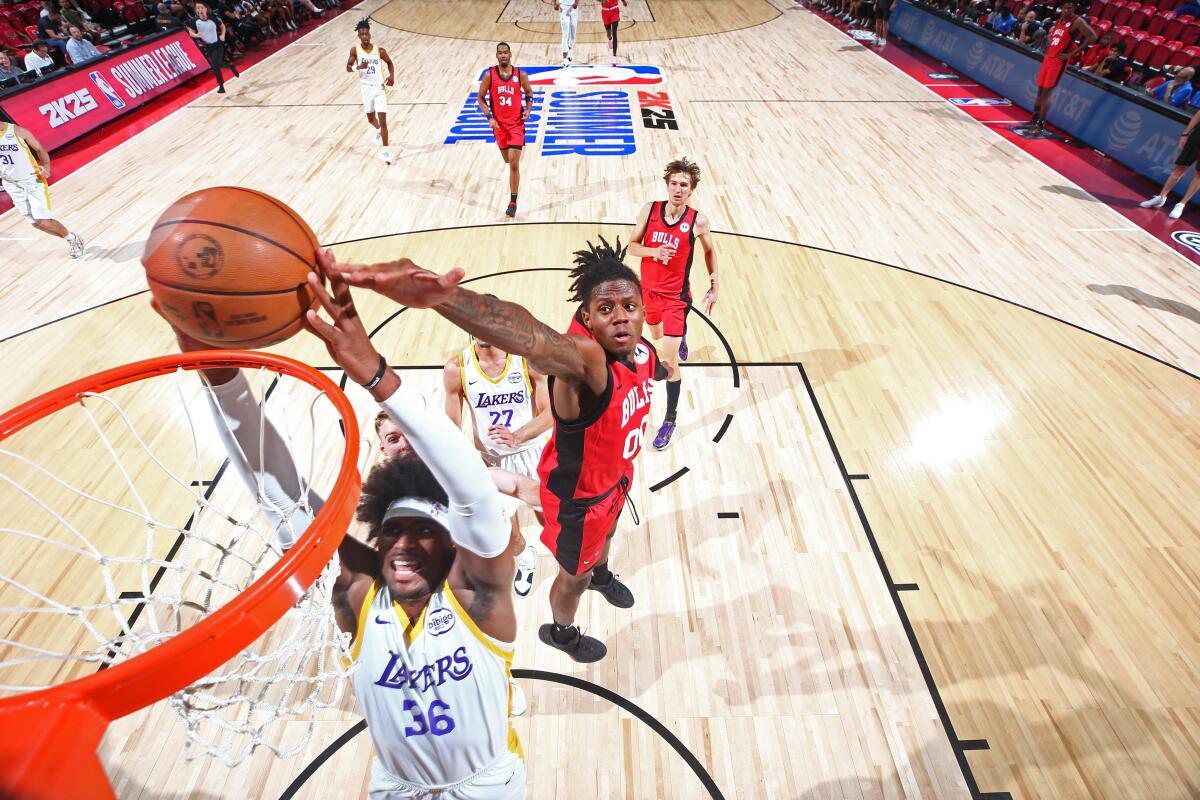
110, 550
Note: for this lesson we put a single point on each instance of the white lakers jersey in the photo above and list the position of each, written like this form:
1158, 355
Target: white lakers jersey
16, 161
505, 400
436, 693
372, 73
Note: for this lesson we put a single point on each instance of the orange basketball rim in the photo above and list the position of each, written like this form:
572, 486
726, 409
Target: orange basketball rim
49, 738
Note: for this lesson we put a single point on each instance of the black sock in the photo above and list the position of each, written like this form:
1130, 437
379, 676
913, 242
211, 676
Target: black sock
672, 399
512, 198
563, 634
601, 575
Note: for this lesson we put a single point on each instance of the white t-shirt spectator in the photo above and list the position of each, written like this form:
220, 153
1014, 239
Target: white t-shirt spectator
81, 50
34, 61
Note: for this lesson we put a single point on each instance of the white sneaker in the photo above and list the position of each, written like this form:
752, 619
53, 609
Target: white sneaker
614, 62
378, 136
566, 63
520, 706
76, 244
526, 563
387, 155
1177, 211
1154, 202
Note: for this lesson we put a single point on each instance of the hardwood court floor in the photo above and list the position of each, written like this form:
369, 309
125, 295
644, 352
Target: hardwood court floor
1033, 480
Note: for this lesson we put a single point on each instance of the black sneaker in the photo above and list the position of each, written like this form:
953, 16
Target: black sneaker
511, 211
582, 649
614, 592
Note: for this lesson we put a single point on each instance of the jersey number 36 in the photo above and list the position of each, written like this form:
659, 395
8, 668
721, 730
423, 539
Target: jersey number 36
435, 722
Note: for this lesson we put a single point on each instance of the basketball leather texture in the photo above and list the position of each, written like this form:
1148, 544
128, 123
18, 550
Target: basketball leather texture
228, 266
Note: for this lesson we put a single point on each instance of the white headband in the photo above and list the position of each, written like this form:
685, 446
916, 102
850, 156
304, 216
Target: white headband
417, 507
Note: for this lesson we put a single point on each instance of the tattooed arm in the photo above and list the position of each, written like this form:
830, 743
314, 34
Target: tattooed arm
575, 360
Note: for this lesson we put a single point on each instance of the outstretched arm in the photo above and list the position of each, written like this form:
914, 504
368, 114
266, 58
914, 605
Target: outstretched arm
573, 359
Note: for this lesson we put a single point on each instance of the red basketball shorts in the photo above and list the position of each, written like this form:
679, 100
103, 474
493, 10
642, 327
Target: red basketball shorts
510, 134
1050, 73
668, 309
575, 531
609, 17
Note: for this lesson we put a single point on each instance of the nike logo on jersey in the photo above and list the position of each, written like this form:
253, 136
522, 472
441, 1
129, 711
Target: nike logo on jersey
382, 620
472, 383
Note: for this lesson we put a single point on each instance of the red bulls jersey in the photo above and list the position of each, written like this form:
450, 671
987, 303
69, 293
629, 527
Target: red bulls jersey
505, 96
1060, 37
671, 278
586, 458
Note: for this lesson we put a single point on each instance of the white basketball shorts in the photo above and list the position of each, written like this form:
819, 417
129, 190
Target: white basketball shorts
374, 100
31, 196
504, 779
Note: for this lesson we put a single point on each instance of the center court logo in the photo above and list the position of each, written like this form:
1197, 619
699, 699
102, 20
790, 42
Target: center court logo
1124, 130
584, 111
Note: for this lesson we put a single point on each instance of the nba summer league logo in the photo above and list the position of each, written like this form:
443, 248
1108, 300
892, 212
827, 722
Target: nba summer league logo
580, 110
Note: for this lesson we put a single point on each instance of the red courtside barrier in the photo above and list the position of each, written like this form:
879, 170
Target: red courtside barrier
62, 108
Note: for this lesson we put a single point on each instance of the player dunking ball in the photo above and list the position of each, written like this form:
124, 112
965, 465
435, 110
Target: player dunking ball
610, 15
499, 98
368, 60
24, 170
1068, 27
665, 237
510, 412
600, 387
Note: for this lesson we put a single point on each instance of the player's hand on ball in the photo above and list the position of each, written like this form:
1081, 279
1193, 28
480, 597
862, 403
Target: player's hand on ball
216, 375
402, 281
346, 339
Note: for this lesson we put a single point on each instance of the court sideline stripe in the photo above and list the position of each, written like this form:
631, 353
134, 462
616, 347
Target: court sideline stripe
551, 677
894, 589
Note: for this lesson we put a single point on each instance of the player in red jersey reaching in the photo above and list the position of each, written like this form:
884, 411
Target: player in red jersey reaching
499, 99
600, 386
665, 238
1069, 26
610, 15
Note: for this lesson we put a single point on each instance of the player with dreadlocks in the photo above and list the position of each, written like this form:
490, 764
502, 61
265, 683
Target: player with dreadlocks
601, 375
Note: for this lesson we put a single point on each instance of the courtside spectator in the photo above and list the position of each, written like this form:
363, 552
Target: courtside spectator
1097, 52
1175, 92
1029, 31
40, 58
1114, 66
7, 68
1002, 20
52, 31
164, 20
79, 48
74, 15
1189, 148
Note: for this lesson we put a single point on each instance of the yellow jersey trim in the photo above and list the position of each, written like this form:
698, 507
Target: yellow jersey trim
503, 373
363, 613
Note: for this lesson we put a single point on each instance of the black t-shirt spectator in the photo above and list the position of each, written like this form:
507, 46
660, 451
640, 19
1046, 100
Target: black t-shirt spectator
51, 28
1115, 68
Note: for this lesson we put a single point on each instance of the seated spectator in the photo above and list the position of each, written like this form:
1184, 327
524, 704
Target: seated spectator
1002, 20
1029, 26
1178, 91
79, 48
75, 15
7, 68
40, 58
52, 31
164, 20
1114, 66
1097, 52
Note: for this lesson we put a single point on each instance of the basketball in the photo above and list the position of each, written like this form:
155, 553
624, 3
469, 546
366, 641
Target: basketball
228, 267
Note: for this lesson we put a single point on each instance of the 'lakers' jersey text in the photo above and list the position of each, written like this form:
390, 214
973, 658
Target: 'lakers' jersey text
505, 400
435, 692
370, 71
16, 161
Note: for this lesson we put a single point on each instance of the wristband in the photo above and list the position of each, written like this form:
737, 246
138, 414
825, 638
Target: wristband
378, 375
